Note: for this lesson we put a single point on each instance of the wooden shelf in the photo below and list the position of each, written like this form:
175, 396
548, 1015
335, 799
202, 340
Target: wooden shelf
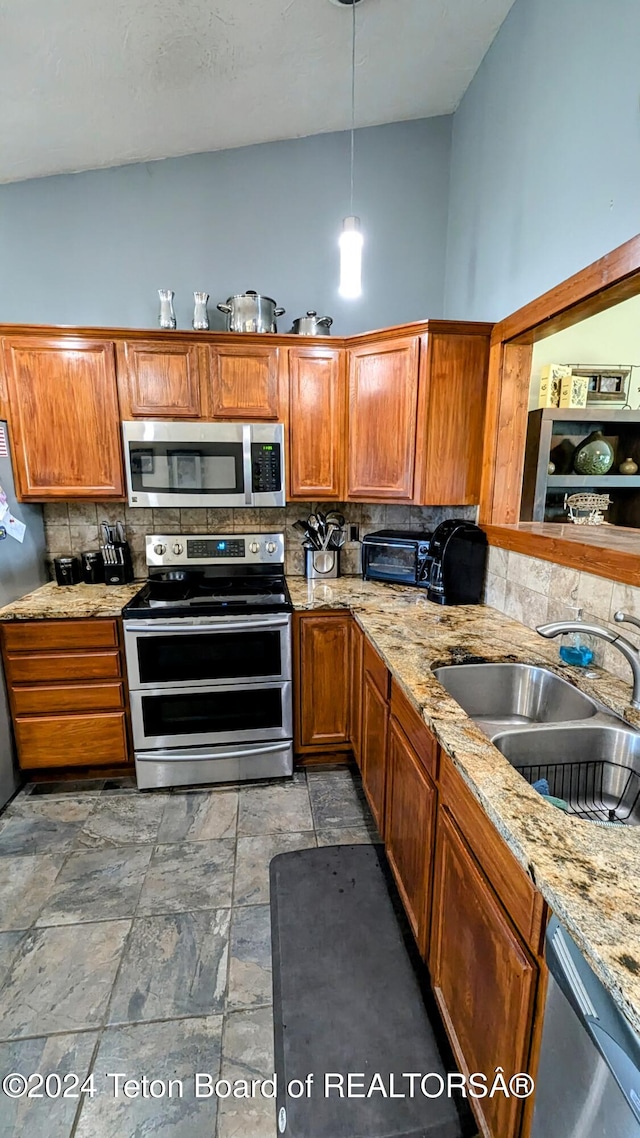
615, 481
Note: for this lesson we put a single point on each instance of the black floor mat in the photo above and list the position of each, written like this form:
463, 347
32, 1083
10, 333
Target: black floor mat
347, 999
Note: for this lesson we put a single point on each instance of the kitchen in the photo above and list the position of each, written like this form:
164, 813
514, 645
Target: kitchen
203, 694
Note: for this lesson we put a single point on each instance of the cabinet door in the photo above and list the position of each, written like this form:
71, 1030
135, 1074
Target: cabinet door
244, 382
157, 380
357, 647
373, 747
410, 829
383, 408
454, 376
64, 418
483, 977
317, 417
325, 642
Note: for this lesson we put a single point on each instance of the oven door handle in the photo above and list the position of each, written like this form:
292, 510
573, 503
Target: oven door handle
152, 627
232, 753
247, 465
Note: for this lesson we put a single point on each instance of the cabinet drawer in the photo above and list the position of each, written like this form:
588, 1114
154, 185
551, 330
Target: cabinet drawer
68, 698
377, 669
71, 740
45, 635
512, 885
61, 666
416, 730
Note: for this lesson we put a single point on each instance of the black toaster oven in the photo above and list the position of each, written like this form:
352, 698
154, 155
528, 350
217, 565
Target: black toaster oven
396, 555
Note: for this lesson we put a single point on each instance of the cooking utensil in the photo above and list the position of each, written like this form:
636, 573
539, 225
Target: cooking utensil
334, 516
250, 312
312, 324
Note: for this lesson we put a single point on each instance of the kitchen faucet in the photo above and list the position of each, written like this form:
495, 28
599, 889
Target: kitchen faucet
629, 650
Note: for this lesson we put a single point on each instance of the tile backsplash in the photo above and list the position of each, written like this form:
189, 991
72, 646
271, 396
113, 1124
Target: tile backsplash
73, 527
537, 592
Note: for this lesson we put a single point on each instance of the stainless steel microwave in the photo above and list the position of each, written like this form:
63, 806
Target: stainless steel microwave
204, 464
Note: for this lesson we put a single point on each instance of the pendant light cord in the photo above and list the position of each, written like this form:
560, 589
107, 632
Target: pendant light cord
353, 95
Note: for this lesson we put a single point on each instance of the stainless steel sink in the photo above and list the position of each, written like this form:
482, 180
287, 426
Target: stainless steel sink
594, 767
498, 696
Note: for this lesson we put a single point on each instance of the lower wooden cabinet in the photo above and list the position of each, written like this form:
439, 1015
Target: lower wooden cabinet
373, 747
410, 816
68, 703
483, 976
357, 650
322, 681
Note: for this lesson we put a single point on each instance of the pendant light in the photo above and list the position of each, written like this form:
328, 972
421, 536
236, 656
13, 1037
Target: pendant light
351, 236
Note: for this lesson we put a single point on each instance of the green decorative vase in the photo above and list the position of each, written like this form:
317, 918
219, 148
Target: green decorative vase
594, 455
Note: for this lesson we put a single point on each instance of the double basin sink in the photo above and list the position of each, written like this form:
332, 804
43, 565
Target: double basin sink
548, 730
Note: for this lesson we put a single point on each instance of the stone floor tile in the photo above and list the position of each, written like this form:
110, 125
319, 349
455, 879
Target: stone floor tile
250, 957
85, 787
22, 834
174, 965
187, 876
198, 817
253, 855
25, 885
10, 944
274, 810
247, 1053
71, 808
356, 835
123, 819
60, 979
174, 1049
336, 802
97, 885
55, 1054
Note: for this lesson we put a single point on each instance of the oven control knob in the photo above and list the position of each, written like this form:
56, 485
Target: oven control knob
177, 548
254, 547
159, 549
271, 547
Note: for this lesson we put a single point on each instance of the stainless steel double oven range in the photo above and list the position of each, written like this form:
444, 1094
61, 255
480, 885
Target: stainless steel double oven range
208, 646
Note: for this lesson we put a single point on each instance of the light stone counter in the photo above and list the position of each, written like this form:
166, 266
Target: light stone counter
589, 875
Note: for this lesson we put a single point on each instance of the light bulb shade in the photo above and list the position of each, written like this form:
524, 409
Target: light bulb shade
351, 259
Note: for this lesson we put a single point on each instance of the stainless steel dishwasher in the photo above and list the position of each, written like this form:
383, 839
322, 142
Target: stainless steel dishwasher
588, 1083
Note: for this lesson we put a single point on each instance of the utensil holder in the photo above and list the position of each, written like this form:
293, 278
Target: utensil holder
321, 564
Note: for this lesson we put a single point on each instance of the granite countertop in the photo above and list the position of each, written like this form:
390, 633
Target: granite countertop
589, 875
67, 602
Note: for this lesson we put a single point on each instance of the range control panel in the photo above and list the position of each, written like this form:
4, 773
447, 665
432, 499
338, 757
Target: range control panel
215, 549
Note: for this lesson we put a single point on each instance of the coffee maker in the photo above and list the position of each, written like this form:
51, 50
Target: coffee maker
456, 564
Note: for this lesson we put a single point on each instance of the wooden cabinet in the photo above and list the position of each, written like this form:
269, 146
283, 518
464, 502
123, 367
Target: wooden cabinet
357, 671
160, 380
453, 382
317, 407
64, 418
383, 420
244, 381
322, 681
65, 680
483, 976
373, 741
409, 830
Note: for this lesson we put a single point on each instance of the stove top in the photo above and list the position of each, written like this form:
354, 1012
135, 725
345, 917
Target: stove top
204, 576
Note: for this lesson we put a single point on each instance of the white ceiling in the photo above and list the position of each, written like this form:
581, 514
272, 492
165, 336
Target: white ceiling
90, 83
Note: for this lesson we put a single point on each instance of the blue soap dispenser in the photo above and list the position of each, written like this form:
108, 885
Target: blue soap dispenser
575, 648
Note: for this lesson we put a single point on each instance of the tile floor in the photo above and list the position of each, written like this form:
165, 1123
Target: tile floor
135, 937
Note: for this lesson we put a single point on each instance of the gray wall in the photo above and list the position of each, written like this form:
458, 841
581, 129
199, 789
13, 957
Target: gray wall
545, 170
93, 248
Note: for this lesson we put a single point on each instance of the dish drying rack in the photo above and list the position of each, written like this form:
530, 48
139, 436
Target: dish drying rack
582, 786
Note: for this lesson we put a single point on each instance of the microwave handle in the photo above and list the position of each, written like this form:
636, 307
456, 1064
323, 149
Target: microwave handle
246, 464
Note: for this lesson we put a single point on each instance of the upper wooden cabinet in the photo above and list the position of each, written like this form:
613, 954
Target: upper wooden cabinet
453, 383
63, 410
160, 380
383, 420
244, 381
317, 423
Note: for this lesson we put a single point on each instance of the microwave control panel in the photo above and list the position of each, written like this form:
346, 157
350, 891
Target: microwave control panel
266, 467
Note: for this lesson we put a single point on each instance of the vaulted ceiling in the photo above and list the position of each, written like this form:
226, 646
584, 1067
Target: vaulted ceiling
85, 84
